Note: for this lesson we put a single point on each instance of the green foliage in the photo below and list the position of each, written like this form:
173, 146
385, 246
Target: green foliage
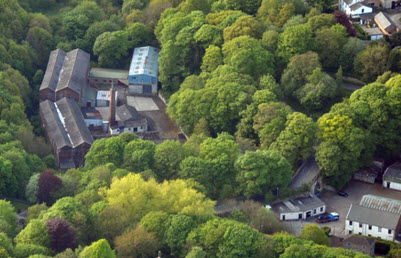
137, 243
103, 151
180, 226
295, 40
98, 249
243, 26
296, 141
269, 121
26, 250
247, 55
31, 192
168, 156
35, 233
6, 245
261, 172
313, 233
139, 155
372, 62
329, 42
212, 59
8, 218
111, 48
196, 252
130, 198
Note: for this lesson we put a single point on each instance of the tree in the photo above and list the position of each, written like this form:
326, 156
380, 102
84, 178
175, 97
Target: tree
62, 235
209, 35
5, 245
8, 218
330, 41
343, 148
269, 121
372, 61
42, 42
77, 21
188, 6
243, 26
295, 40
103, 151
26, 250
98, 249
196, 252
32, 188
71, 210
323, 5
270, 40
13, 20
225, 238
394, 63
314, 233
111, 48
95, 30
295, 142
168, 156
138, 35
48, 183
180, 226
267, 82
261, 172
137, 242
350, 50
320, 90
157, 223
130, 198
139, 155
344, 20
212, 59
247, 6
321, 21
34, 233
297, 72
247, 55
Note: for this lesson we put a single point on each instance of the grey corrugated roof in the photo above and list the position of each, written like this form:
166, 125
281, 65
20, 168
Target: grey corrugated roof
393, 172
382, 20
145, 61
53, 69
73, 122
381, 203
74, 71
300, 204
373, 217
55, 129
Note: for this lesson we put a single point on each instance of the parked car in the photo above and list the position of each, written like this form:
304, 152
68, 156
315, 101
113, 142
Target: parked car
328, 217
342, 193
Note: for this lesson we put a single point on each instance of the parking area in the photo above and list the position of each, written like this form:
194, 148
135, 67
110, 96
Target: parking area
355, 190
339, 204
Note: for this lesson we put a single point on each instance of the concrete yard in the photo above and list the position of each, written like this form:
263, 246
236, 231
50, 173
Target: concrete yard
141, 103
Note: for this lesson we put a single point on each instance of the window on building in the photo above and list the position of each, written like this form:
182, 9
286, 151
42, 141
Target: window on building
135, 129
379, 229
350, 222
321, 208
389, 231
360, 225
370, 227
314, 211
350, 232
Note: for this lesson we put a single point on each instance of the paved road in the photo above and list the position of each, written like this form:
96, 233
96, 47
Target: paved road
306, 174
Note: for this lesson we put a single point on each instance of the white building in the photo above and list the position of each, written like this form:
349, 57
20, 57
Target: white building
372, 222
392, 177
354, 8
299, 208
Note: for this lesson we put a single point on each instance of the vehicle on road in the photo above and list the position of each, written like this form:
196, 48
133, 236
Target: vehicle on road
342, 193
328, 217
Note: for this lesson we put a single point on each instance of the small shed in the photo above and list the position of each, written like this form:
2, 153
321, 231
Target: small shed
384, 23
392, 177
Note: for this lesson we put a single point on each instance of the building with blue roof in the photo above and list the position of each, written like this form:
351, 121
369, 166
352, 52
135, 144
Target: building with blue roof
142, 76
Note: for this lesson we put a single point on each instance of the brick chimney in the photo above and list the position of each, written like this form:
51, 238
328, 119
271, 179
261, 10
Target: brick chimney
112, 116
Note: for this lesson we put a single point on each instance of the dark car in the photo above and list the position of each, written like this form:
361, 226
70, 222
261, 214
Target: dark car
342, 193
